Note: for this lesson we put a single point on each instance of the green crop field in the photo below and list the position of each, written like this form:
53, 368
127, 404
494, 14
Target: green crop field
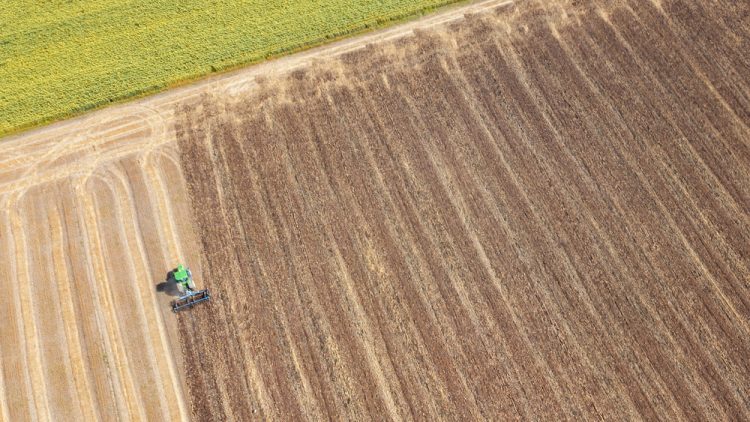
62, 57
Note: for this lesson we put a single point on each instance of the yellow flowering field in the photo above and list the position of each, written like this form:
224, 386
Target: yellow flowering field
63, 57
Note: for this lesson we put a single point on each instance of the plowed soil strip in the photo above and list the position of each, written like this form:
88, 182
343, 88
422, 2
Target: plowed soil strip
540, 212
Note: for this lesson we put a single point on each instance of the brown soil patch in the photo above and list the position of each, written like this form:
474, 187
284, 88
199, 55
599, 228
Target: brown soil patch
537, 213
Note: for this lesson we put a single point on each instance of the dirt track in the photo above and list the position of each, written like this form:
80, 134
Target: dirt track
539, 214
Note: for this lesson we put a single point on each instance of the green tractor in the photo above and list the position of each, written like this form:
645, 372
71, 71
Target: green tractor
190, 296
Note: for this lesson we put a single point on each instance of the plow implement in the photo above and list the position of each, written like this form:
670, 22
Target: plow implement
191, 299
190, 296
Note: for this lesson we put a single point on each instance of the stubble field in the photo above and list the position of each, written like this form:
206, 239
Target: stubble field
89, 224
535, 213
56, 62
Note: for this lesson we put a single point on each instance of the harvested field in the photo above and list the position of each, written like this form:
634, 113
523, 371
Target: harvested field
84, 239
536, 213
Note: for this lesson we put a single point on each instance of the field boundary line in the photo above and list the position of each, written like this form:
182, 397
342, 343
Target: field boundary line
164, 100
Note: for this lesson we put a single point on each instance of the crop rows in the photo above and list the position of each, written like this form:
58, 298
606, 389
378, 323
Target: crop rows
85, 335
539, 213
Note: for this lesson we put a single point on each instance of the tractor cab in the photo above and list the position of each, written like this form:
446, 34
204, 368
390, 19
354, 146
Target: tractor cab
180, 274
190, 296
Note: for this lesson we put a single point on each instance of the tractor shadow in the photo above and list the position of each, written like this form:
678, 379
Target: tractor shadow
168, 286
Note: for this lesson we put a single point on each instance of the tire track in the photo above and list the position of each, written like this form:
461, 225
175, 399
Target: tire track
444, 165
69, 318
640, 170
689, 253
440, 294
571, 261
424, 325
85, 304
44, 286
551, 183
264, 262
478, 315
655, 261
352, 301
18, 400
222, 401
535, 84
125, 296
89, 213
28, 317
278, 223
439, 168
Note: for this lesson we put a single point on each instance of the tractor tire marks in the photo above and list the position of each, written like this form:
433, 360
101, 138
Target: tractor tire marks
88, 339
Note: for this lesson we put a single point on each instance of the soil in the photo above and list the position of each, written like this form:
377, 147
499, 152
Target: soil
538, 213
